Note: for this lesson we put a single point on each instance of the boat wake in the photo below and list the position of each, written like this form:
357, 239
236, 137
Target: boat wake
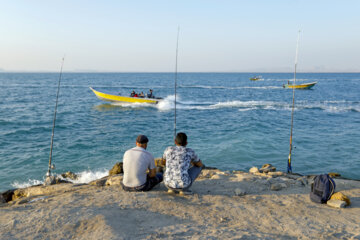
231, 88
167, 104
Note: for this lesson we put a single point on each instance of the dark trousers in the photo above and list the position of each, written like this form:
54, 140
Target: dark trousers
149, 184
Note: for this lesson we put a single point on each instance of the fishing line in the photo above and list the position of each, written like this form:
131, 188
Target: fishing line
289, 169
48, 174
176, 63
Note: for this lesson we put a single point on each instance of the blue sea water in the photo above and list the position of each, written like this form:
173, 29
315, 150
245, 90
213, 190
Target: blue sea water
232, 123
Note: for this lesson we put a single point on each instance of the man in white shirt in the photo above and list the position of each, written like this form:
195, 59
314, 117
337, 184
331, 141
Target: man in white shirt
136, 162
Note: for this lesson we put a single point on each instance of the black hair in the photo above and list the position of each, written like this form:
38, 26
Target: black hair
181, 139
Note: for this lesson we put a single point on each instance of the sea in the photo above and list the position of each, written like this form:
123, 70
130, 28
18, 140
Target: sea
232, 123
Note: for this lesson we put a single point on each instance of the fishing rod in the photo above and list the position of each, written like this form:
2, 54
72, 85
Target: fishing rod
289, 169
176, 73
48, 174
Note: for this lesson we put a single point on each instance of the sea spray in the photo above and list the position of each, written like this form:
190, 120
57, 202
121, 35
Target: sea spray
82, 177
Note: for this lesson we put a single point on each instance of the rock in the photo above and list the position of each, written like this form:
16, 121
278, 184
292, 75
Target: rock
99, 182
217, 176
116, 169
261, 174
69, 175
245, 177
19, 193
336, 203
340, 196
277, 186
114, 180
267, 168
50, 180
333, 175
253, 170
7, 195
239, 192
22, 201
224, 173
159, 162
2, 199
294, 176
208, 173
276, 174
303, 180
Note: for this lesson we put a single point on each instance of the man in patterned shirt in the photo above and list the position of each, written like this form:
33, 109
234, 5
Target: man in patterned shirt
179, 175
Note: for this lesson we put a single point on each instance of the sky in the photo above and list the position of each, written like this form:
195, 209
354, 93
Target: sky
215, 36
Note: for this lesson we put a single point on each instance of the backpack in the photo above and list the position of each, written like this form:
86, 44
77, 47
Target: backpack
322, 188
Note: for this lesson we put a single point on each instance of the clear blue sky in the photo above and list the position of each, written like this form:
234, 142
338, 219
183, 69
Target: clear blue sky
227, 35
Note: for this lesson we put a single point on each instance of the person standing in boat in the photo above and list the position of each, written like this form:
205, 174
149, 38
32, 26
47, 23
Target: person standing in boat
142, 95
150, 94
136, 162
179, 174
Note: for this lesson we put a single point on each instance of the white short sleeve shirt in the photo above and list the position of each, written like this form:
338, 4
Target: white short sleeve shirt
136, 162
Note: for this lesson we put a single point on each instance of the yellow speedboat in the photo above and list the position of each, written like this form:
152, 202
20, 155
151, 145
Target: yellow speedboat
116, 98
300, 86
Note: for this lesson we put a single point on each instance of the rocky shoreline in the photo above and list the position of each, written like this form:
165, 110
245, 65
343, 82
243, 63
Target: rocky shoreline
261, 203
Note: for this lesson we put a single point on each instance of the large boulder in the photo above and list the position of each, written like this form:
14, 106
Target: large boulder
253, 170
116, 169
8, 195
69, 175
267, 168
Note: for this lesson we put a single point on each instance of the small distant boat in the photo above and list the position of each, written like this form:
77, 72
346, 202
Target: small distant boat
300, 86
117, 98
255, 78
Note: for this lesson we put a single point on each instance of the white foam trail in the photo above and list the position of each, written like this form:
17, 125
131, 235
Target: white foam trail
132, 105
167, 103
233, 88
245, 104
245, 109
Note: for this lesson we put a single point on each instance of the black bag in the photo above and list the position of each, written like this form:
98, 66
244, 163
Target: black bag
322, 188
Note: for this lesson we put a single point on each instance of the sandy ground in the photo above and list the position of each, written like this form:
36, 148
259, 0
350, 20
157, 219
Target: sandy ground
214, 211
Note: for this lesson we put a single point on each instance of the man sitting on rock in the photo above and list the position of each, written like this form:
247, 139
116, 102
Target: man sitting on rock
179, 175
136, 162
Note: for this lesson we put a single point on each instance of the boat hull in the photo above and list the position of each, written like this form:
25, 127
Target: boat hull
300, 86
123, 99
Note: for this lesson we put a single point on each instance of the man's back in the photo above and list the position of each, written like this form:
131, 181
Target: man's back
178, 159
135, 163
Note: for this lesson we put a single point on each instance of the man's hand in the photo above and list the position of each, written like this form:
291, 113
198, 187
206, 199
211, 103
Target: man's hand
198, 164
152, 172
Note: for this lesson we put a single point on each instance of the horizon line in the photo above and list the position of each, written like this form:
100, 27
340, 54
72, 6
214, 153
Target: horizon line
253, 72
